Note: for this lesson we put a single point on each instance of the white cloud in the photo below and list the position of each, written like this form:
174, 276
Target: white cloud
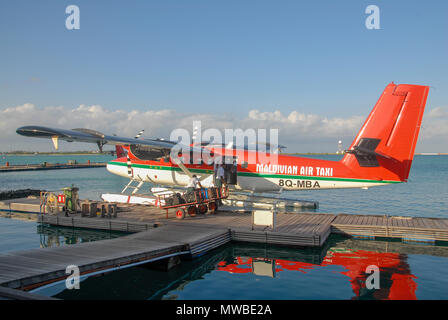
435, 126
438, 113
299, 131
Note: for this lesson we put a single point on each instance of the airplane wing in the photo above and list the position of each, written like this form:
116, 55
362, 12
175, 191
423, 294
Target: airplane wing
148, 148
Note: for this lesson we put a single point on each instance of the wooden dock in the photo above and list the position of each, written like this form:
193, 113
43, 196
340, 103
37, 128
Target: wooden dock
36, 267
301, 229
51, 166
291, 229
407, 228
307, 225
22, 205
306, 229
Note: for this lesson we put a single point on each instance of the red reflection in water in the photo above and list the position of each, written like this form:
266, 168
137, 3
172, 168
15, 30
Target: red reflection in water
396, 279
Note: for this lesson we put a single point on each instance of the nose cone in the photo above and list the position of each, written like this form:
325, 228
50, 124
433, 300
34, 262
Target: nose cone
118, 168
22, 131
36, 131
110, 167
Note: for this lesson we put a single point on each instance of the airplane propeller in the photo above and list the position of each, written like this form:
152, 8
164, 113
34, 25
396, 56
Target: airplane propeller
139, 134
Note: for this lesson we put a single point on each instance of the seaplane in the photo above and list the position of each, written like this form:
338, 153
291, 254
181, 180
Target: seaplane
381, 154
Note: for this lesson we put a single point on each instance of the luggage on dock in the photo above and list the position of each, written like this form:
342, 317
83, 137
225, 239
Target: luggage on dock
190, 197
177, 199
212, 194
174, 199
199, 194
203, 194
169, 201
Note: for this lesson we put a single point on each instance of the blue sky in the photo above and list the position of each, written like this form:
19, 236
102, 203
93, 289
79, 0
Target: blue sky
223, 58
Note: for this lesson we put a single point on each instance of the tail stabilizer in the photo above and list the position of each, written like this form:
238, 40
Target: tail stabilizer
384, 147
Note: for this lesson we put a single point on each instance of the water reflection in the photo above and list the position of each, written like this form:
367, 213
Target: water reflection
248, 271
51, 236
20, 231
396, 279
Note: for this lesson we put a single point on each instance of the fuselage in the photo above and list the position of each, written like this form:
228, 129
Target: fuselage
286, 173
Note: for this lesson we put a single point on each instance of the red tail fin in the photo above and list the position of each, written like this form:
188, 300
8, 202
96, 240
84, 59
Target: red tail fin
120, 151
384, 147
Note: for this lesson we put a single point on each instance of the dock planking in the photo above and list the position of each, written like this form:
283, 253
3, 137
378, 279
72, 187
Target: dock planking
435, 229
51, 166
305, 229
136, 218
29, 268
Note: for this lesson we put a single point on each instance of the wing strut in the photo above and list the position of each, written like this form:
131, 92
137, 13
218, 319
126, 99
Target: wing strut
55, 140
182, 167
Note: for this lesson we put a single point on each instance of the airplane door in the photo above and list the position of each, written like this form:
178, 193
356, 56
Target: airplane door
231, 172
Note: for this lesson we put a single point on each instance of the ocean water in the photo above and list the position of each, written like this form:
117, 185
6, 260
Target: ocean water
244, 271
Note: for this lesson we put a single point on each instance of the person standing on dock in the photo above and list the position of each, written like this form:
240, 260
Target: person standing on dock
220, 176
193, 184
220, 179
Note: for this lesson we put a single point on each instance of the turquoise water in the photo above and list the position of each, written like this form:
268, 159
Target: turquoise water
240, 271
